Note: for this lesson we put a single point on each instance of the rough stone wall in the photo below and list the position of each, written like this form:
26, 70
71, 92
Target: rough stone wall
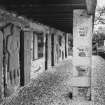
49, 50
1, 65
11, 66
27, 56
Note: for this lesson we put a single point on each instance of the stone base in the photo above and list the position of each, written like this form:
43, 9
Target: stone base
81, 93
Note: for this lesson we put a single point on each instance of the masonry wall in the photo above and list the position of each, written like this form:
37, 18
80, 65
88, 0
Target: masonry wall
11, 65
20, 57
1, 65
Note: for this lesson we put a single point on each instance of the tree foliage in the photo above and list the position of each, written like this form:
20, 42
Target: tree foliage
99, 20
100, 16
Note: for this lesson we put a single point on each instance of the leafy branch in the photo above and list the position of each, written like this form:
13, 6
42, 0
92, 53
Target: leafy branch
100, 16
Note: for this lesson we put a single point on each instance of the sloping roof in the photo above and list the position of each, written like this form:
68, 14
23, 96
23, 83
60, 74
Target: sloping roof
55, 13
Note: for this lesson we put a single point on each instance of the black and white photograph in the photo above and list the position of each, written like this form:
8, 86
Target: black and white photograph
52, 52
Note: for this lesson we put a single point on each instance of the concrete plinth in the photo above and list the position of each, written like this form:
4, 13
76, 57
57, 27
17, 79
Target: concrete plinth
82, 54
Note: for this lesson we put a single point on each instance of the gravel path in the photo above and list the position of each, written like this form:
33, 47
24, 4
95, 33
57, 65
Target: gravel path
53, 87
50, 88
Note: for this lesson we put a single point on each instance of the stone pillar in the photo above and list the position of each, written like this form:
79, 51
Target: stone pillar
11, 59
44, 35
63, 45
55, 52
35, 46
1, 66
7, 32
49, 50
82, 54
27, 55
67, 44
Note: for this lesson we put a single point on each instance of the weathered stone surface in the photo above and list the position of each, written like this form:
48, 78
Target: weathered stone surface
27, 56
12, 66
82, 51
49, 50
1, 65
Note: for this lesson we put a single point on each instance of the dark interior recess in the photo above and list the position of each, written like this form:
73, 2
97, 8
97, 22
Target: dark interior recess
21, 58
52, 50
